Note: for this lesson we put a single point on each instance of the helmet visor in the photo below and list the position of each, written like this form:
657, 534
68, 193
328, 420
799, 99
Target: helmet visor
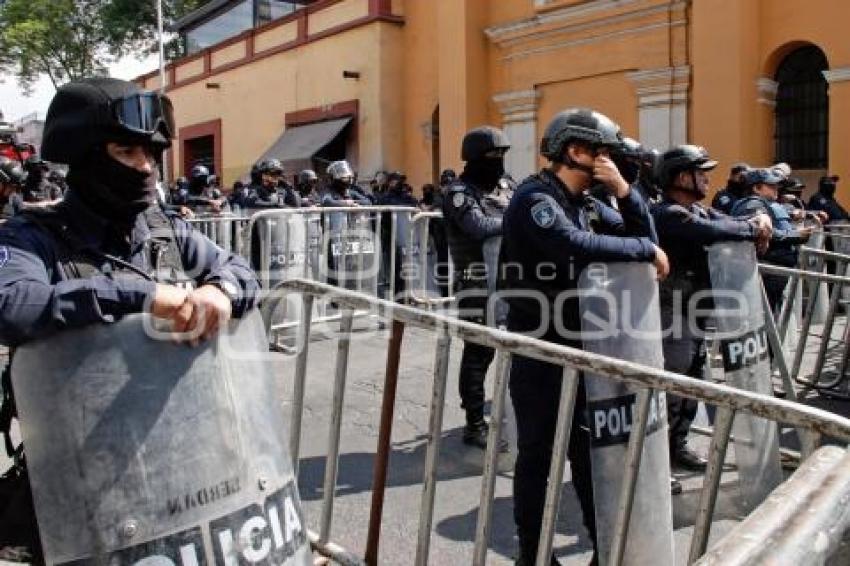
145, 113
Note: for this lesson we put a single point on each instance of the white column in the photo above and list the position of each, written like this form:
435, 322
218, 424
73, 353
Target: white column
519, 121
662, 105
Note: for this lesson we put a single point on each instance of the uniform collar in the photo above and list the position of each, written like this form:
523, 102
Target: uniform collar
560, 188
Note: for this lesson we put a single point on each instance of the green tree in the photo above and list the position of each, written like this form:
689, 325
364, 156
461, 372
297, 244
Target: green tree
70, 39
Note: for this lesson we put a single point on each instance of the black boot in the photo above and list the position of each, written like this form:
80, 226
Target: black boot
475, 434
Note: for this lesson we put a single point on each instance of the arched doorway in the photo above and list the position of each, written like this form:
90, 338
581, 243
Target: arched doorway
802, 109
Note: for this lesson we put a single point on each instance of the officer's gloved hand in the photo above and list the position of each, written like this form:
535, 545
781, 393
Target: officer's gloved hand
195, 315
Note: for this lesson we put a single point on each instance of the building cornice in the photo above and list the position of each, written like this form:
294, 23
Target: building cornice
837, 75
573, 19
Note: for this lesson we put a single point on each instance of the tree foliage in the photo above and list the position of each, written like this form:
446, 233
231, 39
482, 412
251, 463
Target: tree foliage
71, 39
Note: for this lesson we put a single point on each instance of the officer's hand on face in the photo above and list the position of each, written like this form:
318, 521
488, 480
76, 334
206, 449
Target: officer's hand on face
662, 264
605, 171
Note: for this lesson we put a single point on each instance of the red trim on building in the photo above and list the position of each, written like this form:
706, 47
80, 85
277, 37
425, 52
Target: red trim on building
302, 38
188, 133
380, 7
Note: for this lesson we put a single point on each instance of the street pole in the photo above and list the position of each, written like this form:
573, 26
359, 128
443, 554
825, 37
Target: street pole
161, 76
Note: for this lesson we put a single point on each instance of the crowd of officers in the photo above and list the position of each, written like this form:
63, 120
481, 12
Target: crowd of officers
83, 253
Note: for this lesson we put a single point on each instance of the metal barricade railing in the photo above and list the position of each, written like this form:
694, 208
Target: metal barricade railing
728, 400
226, 230
838, 285
356, 248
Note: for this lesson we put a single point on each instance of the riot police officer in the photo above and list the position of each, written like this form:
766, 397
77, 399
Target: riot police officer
734, 191
340, 191
785, 240
12, 178
467, 226
552, 230
306, 184
267, 190
203, 189
824, 199
37, 187
108, 249
685, 228
396, 194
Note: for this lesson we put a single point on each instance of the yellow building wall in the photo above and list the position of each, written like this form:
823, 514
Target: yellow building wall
340, 13
252, 100
734, 44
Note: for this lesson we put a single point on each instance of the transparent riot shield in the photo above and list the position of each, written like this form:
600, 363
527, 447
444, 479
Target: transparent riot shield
143, 451
352, 250
490, 249
620, 318
739, 319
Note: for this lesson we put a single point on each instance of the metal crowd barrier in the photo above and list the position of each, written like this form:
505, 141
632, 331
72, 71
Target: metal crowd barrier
382, 251
839, 283
226, 230
826, 513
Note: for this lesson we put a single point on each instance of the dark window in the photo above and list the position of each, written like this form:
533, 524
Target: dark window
199, 151
234, 21
802, 110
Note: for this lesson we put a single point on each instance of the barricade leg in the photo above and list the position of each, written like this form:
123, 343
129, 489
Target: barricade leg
379, 481
488, 479
435, 429
566, 407
332, 460
303, 345
826, 333
627, 489
804, 335
708, 497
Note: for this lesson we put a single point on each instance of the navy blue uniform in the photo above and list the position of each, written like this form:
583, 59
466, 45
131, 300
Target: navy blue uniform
820, 201
684, 232
785, 242
549, 237
724, 201
40, 293
467, 225
259, 196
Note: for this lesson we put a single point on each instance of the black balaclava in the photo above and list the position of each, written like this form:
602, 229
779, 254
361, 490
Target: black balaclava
111, 189
827, 189
339, 186
484, 173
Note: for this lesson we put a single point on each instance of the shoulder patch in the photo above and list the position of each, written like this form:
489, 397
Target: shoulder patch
724, 199
458, 199
5, 254
543, 214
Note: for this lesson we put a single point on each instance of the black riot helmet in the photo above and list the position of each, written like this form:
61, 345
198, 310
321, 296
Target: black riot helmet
11, 172
270, 166
307, 176
682, 158
88, 113
198, 173
578, 124
482, 142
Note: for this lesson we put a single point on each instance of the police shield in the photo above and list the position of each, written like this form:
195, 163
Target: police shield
490, 250
352, 248
739, 319
620, 318
143, 451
